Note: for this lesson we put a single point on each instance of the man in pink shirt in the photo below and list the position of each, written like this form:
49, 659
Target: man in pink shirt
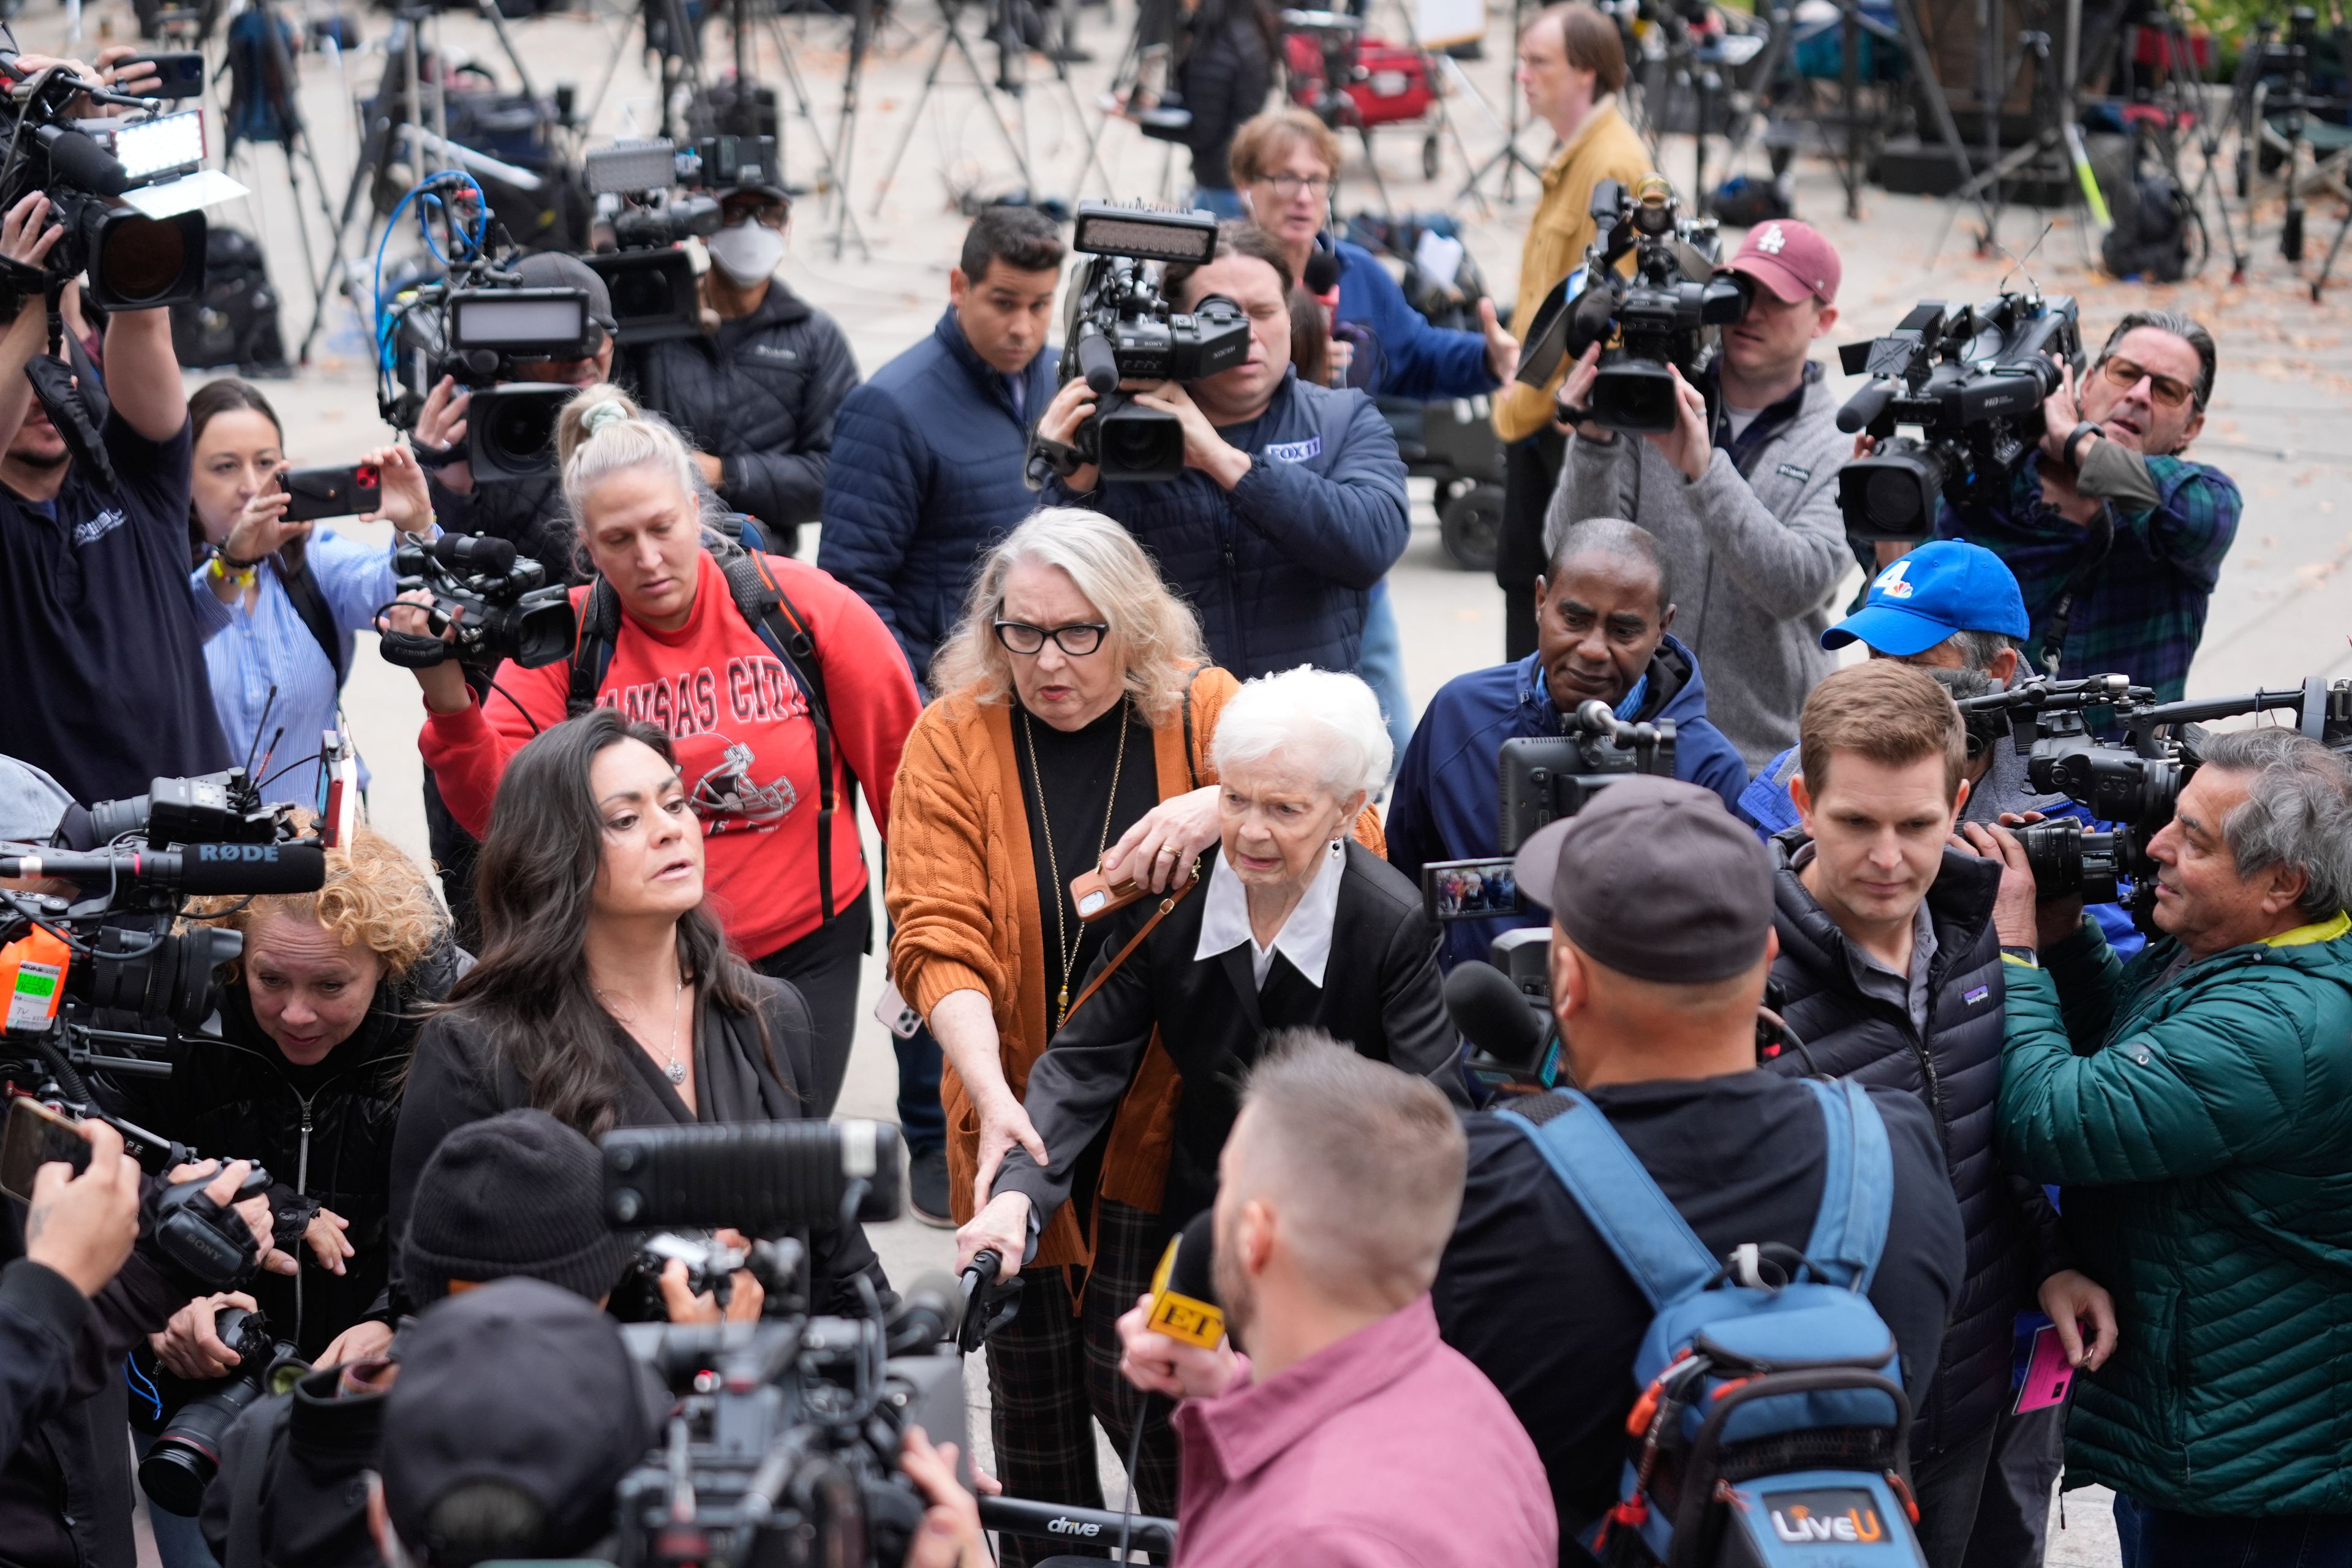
1350, 1436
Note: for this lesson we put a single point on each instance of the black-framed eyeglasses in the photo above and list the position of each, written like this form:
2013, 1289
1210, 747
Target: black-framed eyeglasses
2164, 390
1078, 639
1287, 186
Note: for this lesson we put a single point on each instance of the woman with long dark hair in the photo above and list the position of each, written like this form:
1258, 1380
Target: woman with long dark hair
277, 602
781, 710
607, 995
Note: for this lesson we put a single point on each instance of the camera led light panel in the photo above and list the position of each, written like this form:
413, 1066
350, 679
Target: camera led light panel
520, 320
167, 144
1104, 230
627, 166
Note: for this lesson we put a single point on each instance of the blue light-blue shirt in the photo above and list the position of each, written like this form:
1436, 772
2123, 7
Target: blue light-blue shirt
248, 653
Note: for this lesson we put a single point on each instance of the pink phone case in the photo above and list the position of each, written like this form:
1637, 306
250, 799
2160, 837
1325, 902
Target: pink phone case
2048, 1373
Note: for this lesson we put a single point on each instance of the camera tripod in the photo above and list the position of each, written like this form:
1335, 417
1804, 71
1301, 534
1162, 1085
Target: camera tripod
1003, 29
2056, 133
398, 101
1754, 109
263, 107
1507, 157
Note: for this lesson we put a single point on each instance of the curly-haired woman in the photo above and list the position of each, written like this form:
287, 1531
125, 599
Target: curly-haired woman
316, 1027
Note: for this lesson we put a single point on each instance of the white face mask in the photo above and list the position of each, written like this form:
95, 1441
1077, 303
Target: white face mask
747, 252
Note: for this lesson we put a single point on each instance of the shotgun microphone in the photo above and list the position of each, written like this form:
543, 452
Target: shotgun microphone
230, 868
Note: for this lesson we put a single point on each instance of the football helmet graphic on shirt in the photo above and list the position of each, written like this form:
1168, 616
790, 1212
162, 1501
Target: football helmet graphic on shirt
726, 792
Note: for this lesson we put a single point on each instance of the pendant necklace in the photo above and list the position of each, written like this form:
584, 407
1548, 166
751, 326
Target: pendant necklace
674, 1069
1066, 948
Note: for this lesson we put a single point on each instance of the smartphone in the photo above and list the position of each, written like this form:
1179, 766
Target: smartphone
36, 1136
330, 492
1096, 896
1470, 889
182, 72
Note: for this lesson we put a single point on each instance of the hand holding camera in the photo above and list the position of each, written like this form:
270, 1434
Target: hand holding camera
1204, 449
441, 424
190, 1345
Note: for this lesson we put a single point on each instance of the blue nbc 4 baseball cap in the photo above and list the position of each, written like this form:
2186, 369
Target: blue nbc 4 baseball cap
1923, 597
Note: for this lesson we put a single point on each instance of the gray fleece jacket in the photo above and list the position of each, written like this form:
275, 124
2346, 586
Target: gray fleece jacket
1752, 561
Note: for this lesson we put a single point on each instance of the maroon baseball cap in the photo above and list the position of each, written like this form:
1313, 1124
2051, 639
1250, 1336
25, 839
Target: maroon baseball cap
1791, 259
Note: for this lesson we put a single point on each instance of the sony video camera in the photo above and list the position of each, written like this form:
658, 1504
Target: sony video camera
1546, 777
1671, 312
664, 199
782, 1441
2133, 780
1119, 328
1971, 381
501, 605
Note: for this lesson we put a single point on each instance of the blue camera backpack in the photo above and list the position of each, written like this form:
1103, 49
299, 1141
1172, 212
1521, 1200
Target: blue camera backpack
1772, 1419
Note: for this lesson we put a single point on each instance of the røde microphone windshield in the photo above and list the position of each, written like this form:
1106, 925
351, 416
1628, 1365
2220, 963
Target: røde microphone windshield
1184, 1287
1494, 1016
232, 868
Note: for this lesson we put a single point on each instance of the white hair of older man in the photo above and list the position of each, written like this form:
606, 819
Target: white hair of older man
1326, 720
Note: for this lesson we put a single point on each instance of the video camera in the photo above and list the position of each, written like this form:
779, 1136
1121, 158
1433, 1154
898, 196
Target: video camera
501, 604
185, 1455
128, 193
783, 1440
1972, 382
664, 190
1669, 313
479, 324
1119, 328
2134, 781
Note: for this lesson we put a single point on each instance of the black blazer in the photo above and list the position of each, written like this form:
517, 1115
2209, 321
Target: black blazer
1380, 993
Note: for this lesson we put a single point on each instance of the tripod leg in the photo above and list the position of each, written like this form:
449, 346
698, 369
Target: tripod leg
2327, 268
914, 117
1093, 160
1020, 156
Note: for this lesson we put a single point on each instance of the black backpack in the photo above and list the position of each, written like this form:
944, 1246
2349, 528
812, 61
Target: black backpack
2150, 236
234, 321
761, 600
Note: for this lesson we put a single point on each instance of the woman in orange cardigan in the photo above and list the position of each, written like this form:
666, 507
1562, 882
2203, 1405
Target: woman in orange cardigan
1073, 666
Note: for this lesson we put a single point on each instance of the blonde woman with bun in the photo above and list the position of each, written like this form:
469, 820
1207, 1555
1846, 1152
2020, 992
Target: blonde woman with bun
684, 658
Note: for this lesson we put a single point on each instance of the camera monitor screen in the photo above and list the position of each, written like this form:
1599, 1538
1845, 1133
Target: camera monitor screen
1470, 890
525, 322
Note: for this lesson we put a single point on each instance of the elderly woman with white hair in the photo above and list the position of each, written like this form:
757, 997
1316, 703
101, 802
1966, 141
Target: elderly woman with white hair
1073, 732
1292, 925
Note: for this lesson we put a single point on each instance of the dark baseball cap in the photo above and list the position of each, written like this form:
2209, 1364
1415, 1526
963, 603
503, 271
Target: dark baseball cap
520, 1382
1656, 881
553, 270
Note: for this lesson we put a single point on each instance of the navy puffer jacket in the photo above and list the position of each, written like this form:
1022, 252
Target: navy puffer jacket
1280, 569
759, 394
926, 475
2009, 1229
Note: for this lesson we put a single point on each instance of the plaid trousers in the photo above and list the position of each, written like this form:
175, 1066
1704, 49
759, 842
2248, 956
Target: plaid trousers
1052, 1373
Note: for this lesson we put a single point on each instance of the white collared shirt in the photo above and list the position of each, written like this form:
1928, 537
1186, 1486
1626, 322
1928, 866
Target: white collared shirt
1305, 938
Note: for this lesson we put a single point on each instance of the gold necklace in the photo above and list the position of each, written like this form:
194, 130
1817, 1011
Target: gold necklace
1064, 947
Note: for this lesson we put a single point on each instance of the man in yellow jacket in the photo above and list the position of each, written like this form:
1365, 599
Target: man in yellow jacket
1571, 67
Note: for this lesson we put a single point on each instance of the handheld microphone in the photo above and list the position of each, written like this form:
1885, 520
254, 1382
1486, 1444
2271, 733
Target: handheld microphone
1491, 1014
930, 1310
475, 552
1321, 273
1184, 1287
231, 869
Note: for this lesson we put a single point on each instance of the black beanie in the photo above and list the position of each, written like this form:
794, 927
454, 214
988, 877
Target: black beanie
520, 1194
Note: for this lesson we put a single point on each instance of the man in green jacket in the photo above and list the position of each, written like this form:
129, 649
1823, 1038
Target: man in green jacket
2197, 1105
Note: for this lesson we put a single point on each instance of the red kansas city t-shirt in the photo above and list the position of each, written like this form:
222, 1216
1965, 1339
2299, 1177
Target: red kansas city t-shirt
746, 744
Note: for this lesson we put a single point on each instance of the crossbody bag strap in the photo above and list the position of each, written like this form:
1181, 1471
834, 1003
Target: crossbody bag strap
1858, 1185
1108, 970
1640, 1225
309, 602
